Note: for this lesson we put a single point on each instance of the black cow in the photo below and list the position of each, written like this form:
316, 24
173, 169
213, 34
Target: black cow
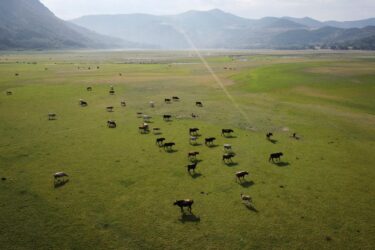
228, 157
9, 93
89, 88
193, 154
167, 117
209, 140
110, 108
276, 156
160, 141
269, 135
111, 124
241, 175
225, 132
112, 92
51, 116
192, 166
167, 100
199, 104
176, 98
83, 103
168, 145
123, 104
184, 203
193, 131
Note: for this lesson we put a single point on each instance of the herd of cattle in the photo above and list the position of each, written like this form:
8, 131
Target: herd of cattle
59, 178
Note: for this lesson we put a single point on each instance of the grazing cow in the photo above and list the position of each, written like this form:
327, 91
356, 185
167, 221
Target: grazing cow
228, 157
269, 135
9, 93
51, 116
227, 147
193, 155
192, 166
209, 140
199, 104
139, 114
143, 128
184, 203
246, 198
123, 104
194, 115
59, 175
167, 100
160, 142
89, 88
175, 98
193, 140
168, 145
111, 124
111, 92
241, 175
16, 74
167, 117
110, 108
152, 104
276, 156
193, 131
225, 132
82, 103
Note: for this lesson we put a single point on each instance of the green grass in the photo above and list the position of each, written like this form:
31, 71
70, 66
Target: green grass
122, 186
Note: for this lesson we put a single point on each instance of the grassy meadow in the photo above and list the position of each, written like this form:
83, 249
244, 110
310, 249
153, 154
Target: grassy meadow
122, 186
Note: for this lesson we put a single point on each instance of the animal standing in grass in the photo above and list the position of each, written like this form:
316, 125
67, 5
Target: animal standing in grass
240, 176
160, 142
226, 132
209, 141
193, 131
184, 203
111, 124
192, 166
82, 103
276, 156
52, 116
192, 155
227, 158
168, 146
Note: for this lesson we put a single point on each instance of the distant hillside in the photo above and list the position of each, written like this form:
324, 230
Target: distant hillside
28, 24
325, 37
207, 29
312, 23
218, 29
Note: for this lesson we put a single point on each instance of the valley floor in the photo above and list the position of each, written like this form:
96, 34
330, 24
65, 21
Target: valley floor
122, 186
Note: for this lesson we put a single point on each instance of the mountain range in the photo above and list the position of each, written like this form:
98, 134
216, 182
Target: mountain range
28, 24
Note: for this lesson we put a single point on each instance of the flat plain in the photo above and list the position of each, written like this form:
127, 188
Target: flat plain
122, 186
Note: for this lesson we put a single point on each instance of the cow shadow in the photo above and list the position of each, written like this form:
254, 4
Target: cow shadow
189, 218
212, 146
230, 137
231, 164
157, 133
273, 141
195, 175
58, 184
196, 144
282, 164
247, 184
171, 151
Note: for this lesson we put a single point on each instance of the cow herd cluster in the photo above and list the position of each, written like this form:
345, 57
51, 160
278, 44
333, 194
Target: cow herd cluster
144, 128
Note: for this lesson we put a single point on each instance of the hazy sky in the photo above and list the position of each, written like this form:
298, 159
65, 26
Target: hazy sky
319, 9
